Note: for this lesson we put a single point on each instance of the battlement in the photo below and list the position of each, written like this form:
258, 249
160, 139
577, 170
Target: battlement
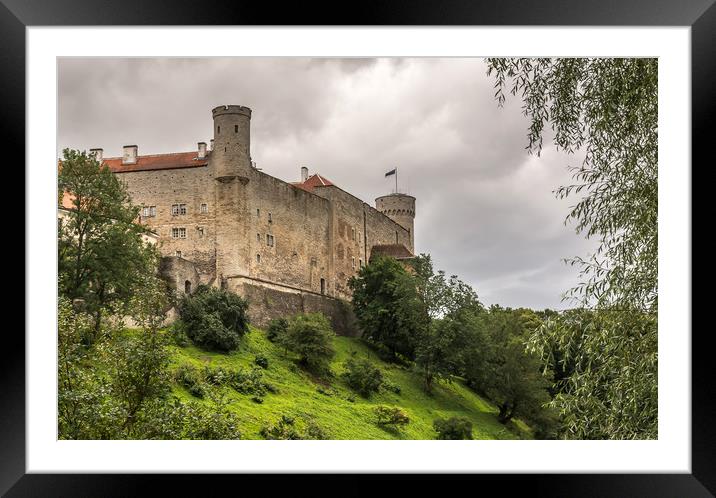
231, 109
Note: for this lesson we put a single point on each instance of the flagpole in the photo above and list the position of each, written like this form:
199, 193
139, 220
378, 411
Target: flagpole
396, 179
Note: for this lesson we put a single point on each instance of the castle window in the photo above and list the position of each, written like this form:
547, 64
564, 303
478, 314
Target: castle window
353, 233
258, 258
178, 253
236, 128
258, 212
258, 238
360, 263
353, 263
269, 240
218, 130
269, 218
200, 230
204, 208
178, 233
178, 209
149, 211
323, 286
187, 287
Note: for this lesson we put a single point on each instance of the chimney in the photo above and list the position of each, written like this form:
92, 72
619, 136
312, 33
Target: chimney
129, 154
304, 174
97, 154
211, 144
202, 150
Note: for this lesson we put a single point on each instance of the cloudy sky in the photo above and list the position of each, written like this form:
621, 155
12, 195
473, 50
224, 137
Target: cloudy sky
485, 208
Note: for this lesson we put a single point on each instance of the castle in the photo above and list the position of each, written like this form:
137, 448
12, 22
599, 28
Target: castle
286, 247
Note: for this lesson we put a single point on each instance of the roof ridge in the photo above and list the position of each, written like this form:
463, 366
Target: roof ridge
156, 155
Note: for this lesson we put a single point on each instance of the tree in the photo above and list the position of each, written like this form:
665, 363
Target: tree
442, 296
102, 256
362, 376
387, 306
612, 356
449, 305
504, 370
215, 319
608, 108
438, 353
310, 336
453, 428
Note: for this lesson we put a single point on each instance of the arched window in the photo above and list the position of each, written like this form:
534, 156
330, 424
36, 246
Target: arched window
323, 286
187, 287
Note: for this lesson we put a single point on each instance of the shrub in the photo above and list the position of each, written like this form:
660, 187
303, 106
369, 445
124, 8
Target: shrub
261, 361
209, 422
197, 390
288, 428
310, 336
217, 376
250, 382
189, 377
390, 416
453, 428
276, 329
362, 376
389, 386
178, 334
283, 429
214, 319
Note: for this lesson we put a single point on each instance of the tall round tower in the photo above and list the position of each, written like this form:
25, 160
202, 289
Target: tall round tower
232, 140
401, 209
231, 163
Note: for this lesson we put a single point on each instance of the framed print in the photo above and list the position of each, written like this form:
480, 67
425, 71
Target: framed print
293, 242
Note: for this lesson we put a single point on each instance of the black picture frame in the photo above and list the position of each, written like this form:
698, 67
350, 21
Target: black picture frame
16, 15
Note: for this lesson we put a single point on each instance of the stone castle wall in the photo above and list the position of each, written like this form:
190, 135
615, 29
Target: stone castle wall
298, 223
190, 186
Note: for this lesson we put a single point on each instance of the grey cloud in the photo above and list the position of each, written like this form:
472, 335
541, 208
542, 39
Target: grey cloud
485, 208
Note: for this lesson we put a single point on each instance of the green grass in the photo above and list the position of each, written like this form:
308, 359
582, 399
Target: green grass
298, 395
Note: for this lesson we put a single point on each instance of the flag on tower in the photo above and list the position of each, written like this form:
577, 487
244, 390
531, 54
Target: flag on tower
391, 172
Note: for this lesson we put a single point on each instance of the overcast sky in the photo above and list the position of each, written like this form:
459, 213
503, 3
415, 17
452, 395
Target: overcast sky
485, 208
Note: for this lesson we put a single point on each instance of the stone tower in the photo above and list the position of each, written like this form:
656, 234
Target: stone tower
401, 209
231, 162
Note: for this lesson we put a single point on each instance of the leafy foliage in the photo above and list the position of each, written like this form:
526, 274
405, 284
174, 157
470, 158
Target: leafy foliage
362, 376
391, 416
610, 390
215, 319
287, 428
387, 306
504, 369
276, 329
102, 258
608, 108
453, 428
310, 336
261, 361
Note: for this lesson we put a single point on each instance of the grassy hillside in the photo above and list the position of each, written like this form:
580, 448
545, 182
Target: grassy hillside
340, 412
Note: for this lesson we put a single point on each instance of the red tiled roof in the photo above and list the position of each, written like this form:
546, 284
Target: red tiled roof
314, 181
175, 160
397, 251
